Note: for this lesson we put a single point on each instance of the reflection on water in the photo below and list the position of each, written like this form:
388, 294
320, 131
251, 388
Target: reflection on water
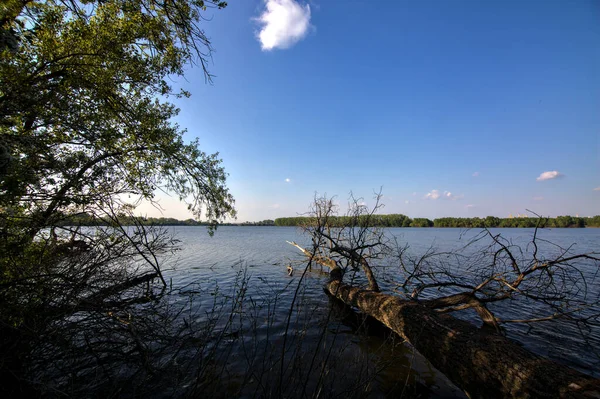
242, 272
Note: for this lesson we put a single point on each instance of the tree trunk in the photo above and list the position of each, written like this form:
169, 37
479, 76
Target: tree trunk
481, 362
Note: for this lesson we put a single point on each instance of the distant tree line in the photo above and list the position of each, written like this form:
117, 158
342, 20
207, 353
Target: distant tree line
84, 219
391, 220
399, 220
266, 222
491, 221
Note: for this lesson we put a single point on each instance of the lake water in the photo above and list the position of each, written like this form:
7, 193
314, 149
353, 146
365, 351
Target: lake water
237, 283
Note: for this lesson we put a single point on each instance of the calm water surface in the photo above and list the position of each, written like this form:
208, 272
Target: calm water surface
252, 261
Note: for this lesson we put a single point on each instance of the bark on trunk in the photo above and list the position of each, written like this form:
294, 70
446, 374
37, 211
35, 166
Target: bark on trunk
481, 362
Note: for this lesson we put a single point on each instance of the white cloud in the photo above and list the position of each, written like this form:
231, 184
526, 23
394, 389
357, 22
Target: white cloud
433, 194
449, 195
436, 194
475, 174
470, 206
283, 24
287, 180
274, 206
407, 202
552, 174
597, 189
538, 198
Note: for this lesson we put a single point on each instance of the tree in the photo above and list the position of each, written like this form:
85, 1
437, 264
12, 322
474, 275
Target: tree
593, 221
421, 222
481, 361
492, 221
85, 127
82, 119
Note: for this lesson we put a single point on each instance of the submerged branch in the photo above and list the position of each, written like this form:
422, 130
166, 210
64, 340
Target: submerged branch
483, 363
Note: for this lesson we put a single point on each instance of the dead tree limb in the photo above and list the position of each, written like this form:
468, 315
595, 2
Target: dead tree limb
479, 361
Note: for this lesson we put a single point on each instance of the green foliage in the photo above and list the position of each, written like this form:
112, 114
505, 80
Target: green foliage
375, 220
593, 221
293, 221
396, 220
83, 121
421, 222
84, 219
266, 222
86, 126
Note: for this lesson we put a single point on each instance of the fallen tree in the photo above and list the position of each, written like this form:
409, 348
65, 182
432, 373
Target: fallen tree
481, 361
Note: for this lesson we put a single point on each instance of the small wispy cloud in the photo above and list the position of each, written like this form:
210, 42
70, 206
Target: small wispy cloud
433, 195
538, 198
283, 24
414, 194
470, 206
436, 194
475, 174
274, 206
288, 180
549, 175
449, 195
597, 189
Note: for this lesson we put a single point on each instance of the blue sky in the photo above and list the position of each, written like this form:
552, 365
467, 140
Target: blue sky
455, 108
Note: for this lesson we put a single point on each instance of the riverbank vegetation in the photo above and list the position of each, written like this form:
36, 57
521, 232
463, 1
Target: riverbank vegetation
389, 220
385, 220
85, 219
399, 220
